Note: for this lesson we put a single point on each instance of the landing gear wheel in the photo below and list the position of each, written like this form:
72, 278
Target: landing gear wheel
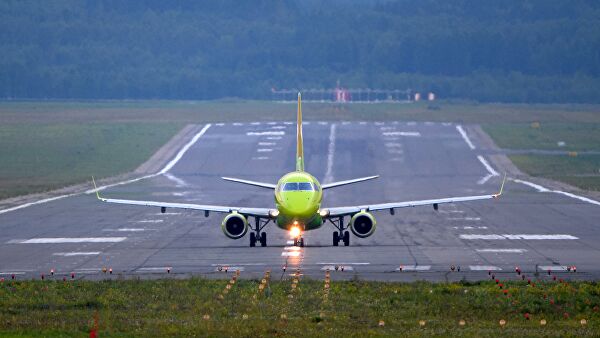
346, 238
252, 239
301, 242
336, 239
263, 239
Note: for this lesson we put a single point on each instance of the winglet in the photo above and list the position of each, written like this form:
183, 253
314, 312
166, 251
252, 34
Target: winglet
501, 187
96, 188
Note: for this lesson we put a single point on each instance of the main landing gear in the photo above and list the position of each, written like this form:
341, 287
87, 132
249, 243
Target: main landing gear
341, 234
257, 235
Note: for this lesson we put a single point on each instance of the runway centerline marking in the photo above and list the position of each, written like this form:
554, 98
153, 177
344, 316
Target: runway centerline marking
518, 236
61, 240
465, 136
69, 254
330, 153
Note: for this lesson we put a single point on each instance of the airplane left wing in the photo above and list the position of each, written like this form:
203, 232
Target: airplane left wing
344, 211
260, 212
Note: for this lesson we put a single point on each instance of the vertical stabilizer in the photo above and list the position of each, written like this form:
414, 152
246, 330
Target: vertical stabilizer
299, 147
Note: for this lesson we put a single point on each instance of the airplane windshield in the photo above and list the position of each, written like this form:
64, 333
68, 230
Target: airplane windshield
295, 186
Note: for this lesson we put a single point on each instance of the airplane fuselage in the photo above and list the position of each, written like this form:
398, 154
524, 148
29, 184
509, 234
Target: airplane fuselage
298, 198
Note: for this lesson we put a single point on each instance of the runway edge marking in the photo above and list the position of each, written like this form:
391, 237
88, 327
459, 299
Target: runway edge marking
540, 188
465, 136
168, 167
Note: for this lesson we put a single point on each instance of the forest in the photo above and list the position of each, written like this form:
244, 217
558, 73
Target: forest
487, 50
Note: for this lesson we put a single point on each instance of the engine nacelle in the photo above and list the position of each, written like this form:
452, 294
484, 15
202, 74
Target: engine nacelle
234, 225
362, 224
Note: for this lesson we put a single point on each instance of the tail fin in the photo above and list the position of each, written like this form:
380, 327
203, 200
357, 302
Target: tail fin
300, 148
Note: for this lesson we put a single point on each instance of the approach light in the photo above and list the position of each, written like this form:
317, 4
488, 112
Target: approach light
274, 213
295, 231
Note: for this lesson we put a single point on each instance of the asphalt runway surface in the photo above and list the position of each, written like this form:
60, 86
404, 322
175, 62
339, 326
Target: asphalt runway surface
529, 228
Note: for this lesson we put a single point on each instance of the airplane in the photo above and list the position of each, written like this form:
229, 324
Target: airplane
298, 197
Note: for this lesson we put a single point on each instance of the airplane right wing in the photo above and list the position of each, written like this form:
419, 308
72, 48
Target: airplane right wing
344, 211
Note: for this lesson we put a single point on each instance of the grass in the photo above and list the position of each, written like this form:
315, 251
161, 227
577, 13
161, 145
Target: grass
582, 171
354, 308
576, 136
39, 157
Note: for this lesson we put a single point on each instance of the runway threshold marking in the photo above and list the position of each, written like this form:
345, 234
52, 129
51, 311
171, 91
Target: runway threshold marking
69, 254
414, 268
465, 137
502, 250
61, 240
484, 268
518, 236
488, 167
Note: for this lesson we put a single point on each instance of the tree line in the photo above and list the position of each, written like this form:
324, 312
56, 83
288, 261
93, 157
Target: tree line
485, 50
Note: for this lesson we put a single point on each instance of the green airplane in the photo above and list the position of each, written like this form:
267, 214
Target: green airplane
298, 197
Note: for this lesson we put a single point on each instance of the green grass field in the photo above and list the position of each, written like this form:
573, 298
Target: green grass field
208, 308
40, 157
51, 144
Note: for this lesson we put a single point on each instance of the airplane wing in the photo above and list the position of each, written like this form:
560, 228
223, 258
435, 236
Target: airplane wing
261, 212
254, 183
344, 211
340, 183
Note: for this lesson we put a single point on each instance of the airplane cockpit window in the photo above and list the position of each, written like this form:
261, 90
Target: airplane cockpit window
295, 186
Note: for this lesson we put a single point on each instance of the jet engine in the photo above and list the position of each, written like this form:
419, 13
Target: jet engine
362, 224
234, 225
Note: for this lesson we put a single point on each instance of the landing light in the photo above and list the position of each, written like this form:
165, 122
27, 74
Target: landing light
295, 231
274, 213
324, 212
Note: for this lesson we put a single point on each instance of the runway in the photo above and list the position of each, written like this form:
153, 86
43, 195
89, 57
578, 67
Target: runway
530, 228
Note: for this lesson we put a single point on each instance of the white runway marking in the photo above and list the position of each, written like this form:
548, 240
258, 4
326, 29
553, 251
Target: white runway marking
288, 123
271, 123
330, 153
540, 188
393, 145
69, 254
229, 269
238, 264
59, 240
322, 123
237, 124
264, 150
46, 200
183, 150
362, 123
484, 268
278, 127
167, 214
402, 133
502, 250
552, 267
178, 181
255, 123
329, 263
464, 219
520, 236
150, 221
471, 228
488, 167
129, 229
265, 133
339, 268
266, 144
12, 273
290, 253
260, 158
219, 124
465, 137
274, 138
411, 123
414, 268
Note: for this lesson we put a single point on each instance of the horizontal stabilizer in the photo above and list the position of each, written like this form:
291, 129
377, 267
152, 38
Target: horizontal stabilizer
256, 184
340, 183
